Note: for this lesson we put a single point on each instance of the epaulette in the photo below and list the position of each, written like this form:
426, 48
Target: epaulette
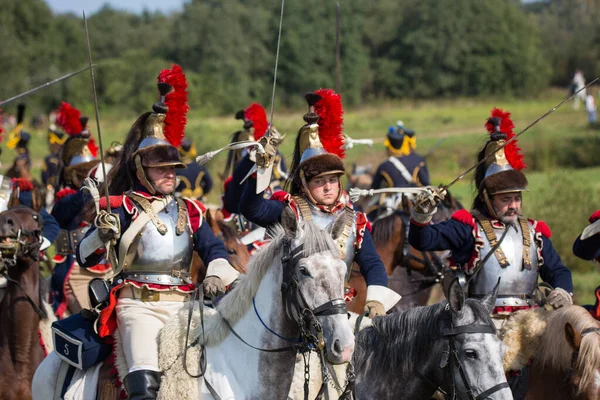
541, 227
465, 217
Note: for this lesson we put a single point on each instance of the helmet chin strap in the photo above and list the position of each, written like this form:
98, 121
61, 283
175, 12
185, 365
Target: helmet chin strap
307, 193
488, 204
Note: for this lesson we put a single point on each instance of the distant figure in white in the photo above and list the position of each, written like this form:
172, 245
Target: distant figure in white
578, 83
590, 107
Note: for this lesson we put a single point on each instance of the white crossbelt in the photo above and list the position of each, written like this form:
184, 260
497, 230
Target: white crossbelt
401, 168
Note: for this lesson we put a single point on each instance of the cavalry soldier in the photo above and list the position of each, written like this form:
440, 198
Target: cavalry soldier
315, 195
194, 181
587, 247
18, 139
494, 240
155, 235
51, 167
404, 167
78, 158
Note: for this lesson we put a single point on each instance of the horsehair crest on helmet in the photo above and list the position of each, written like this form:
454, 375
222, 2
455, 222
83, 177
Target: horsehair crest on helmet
331, 121
177, 104
257, 114
69, 119
511, 150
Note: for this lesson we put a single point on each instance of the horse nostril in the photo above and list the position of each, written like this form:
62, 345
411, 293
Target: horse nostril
337, 347
10, 221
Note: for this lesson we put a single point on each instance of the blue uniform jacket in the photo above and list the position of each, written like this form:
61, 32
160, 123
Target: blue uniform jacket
458, 237
387, 171
588, 249
209, 248
266, 212
50, 225
195, 181
66, 211
234, 190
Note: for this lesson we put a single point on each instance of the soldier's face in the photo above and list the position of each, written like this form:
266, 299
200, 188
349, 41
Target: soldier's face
507, 206
162, 178
325, 189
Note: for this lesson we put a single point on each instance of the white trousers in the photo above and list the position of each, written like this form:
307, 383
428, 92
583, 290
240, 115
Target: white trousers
139, 324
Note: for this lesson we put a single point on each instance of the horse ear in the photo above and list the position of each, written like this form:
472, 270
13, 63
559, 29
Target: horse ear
456, 296
37, 201
338, 226
573, 337
289, 222
489, 301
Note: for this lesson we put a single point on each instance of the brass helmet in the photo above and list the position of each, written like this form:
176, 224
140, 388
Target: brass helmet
501, 173
319, 145
164, 128
78, 154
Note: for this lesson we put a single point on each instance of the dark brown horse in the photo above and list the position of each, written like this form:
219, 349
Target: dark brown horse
21, 307
421, 270
238, 252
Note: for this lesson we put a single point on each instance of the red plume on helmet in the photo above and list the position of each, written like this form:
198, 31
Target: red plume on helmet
176, 101
68, 119
512, 150
257, 114
331, 121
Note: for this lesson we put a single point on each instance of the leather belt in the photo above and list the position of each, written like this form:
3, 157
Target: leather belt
66, 242
175, 278
145, 294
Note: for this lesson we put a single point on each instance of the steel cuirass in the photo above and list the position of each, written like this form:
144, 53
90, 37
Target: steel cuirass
325, 220
163, 259
517, 283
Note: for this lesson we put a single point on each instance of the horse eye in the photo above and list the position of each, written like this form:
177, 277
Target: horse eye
304, 271
472, 354
231, 251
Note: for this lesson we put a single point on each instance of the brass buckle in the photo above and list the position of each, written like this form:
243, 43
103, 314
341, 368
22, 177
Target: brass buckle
176, 273
149, 295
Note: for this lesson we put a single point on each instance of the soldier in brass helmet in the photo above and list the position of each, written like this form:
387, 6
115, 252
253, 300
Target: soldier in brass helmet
315, 194
155, 235
494, 240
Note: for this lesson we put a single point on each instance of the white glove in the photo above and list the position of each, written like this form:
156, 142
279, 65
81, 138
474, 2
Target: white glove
213, 286
558, 298
425, 204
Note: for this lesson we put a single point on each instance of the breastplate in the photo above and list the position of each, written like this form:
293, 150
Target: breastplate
517, 284
325, 220
165, 254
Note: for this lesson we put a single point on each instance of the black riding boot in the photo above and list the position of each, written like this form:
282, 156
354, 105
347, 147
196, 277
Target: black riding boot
142, 384
519, 384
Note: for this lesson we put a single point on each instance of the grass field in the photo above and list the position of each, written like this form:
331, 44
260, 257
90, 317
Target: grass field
562, 151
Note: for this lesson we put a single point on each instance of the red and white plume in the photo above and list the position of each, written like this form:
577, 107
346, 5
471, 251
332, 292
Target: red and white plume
331, 121
68, 119
177, 102
512, 150
257, 114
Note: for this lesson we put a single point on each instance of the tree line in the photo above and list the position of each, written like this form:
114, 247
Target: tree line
389, 49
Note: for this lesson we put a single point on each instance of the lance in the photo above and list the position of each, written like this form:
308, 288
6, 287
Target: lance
263, 174
45, 85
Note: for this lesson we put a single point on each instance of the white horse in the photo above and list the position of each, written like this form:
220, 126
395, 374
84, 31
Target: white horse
292, 295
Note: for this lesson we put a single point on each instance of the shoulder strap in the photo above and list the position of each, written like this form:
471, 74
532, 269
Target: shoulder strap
303, 207
401, 168
486, 225
131, 234
526, 242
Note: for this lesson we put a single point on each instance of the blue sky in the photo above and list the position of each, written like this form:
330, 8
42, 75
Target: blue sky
136, 6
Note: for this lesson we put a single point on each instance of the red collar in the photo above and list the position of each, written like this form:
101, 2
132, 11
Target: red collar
329, 209
147, 195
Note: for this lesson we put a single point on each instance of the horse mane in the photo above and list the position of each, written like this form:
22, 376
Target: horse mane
236, 303
556, 352
383, 228
398, 341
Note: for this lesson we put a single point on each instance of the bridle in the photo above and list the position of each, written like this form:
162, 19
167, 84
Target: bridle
452, 361
10, 251
298, 311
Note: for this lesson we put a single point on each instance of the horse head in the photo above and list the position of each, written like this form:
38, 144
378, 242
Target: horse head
475, 353
584, 371
20, 237
313, 286
239, 256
